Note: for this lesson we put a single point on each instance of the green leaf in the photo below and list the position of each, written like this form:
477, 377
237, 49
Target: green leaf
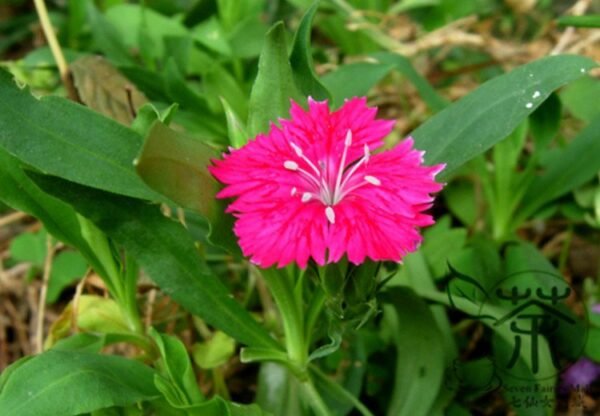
167, 253
175, 165
59, 219
403, 65
301, 59
136, 23
420, 359
106, 37
64, 383
214, 352
67, 267
567, 170
81, 342
580, 98
544, 122
179, 91
175, 364
354, 80
94, 314
68, 140
236, 130
590, 20
406, 5
491, 112
30, 248
210, 34
274, 85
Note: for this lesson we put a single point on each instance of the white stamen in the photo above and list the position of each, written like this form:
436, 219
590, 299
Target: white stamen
536, 95
306, 196
290, 165
367, 152
296, 149
338, 180
372, 180
294, 190
348, 141
330, 214
300, 154
529, 105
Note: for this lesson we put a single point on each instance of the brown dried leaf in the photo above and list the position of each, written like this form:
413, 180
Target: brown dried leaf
103, 88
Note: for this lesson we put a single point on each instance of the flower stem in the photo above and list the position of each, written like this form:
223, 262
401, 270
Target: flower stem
281, 287
315, 399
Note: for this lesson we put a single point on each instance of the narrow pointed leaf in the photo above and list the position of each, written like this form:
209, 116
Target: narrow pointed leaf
61, 138
301, 59
274, 85
165, 250
491, 112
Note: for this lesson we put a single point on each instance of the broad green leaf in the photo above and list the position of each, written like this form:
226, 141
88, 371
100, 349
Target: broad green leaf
420, 360
101, 87
301, 59
81, 342
568, 169
30, 248
278, 391
164, 249
176, 366
491, 112
214, 352
59, 137
175, 165
94, 314
67, 267
274, 86
579, 98
354, 80
64, 383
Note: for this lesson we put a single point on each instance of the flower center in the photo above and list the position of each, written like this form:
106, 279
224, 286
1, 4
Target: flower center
330, 190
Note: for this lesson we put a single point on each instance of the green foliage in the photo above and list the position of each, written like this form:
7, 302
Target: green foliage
93, 381
180, 82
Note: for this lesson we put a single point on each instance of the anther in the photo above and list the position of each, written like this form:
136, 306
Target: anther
306, 196
290, 165
348, 141
372, 180
330, 214
296, 149
293, 192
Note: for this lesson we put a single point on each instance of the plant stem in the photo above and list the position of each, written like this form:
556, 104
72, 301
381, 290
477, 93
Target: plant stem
39, 333
61, 63
315, 399
341, 391
281, 287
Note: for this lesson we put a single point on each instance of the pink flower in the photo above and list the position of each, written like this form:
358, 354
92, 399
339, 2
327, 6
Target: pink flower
313, 189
